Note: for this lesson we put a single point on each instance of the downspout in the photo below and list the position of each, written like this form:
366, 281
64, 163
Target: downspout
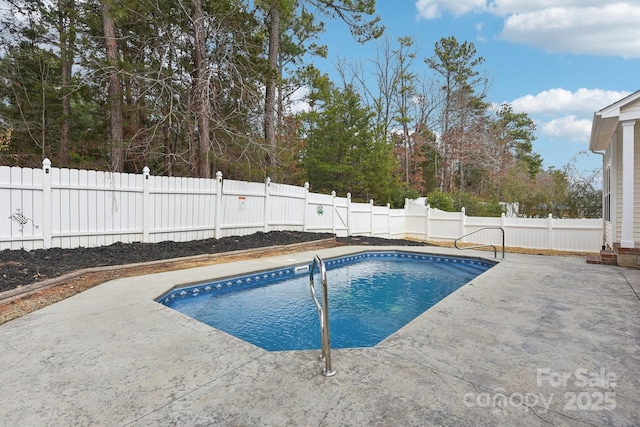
604, 224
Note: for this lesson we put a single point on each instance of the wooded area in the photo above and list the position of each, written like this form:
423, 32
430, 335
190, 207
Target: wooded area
190, 87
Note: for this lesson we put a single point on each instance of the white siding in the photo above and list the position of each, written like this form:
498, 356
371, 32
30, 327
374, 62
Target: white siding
617, 161
636, 182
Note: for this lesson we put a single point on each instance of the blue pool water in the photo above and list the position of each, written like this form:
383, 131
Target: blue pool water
371, 296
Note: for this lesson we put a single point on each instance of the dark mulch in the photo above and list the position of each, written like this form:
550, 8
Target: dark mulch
19, 268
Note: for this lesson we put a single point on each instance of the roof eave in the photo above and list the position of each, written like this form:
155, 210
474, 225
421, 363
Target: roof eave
601, 131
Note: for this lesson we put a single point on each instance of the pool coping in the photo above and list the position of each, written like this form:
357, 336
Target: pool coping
114, 356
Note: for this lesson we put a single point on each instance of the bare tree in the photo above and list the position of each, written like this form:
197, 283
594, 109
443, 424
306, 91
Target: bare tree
67, 33
271, 88
456, 64
201, 101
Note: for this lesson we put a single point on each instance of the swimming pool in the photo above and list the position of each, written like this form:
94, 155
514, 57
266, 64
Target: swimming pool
371, 295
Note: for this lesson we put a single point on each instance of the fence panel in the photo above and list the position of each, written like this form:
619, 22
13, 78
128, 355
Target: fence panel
361, 219
575, 235
21, 208
90, 208
286, 208
183, 208
417, 219
341, 221
445, 225
397, 224
41, 208
380, 221
527, 233
96, 203
319, 216
243, 208
488, 236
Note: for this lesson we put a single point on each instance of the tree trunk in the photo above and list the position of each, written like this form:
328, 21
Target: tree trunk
66, 28
168, 146
114, 91
200, 93
405, 136
270, 91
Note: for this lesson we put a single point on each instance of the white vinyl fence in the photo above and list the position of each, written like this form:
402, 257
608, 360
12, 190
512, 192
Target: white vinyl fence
68, 208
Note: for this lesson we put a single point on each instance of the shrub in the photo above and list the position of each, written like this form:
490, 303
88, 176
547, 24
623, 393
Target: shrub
439, 200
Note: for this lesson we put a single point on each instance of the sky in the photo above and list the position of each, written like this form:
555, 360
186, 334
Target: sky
559, 61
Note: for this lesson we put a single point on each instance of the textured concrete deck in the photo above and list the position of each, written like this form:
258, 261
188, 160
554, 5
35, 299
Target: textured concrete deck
534, 341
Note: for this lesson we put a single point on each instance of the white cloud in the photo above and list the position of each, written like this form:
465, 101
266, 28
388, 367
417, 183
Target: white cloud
562, 114
607, 30
430, 9
567, 128
553, 101
589, 27
508, 7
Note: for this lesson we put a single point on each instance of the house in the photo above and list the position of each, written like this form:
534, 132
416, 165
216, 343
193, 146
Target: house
615, 133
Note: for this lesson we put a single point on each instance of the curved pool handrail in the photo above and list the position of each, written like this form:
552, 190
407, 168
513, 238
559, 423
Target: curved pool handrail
495, 250
323, 314
317, 261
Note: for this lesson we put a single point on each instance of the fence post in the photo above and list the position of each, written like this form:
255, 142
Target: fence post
217, 209
371, 217
550, 232
146, 206
305, 227
333, 212
388, 220
46, 203
428, 222
267, 203
348, 214
463, 222
405, 216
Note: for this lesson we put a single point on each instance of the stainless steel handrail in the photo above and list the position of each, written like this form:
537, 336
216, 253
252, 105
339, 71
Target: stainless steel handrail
495, 250
323, 314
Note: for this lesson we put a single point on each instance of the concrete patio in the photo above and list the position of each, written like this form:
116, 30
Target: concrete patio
536, 340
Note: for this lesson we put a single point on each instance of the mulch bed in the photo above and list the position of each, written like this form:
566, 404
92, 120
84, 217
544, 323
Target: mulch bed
21, 270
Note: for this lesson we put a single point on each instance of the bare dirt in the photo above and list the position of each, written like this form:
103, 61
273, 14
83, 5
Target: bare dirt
30, 280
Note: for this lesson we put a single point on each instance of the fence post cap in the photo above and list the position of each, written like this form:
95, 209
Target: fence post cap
218, 175
146, 170
306, 186
333, 193
46, 163
348, 195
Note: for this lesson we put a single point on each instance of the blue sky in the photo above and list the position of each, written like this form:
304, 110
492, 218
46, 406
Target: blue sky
557, 60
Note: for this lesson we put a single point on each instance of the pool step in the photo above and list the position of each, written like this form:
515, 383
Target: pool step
472, 268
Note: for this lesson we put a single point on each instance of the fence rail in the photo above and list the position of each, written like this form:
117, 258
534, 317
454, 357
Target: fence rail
69, 208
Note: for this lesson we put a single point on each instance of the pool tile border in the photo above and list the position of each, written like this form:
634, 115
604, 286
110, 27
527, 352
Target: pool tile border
263, 278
